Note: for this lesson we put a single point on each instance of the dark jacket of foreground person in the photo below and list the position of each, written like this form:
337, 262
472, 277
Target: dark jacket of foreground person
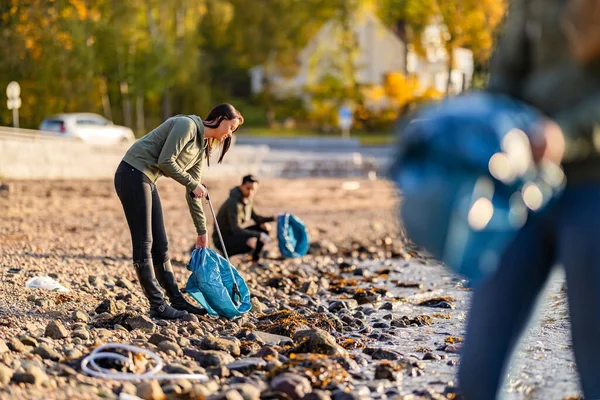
535, 62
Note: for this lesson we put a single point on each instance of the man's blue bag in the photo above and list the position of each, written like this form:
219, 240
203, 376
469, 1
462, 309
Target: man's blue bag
468, 180
210, 284
292, 236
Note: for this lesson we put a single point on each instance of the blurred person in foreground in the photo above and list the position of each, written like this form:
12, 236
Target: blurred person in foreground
548, 56
177, 149
244, 230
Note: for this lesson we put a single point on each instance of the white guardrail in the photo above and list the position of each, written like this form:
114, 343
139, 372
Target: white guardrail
30, 154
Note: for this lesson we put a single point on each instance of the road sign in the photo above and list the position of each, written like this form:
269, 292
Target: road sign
13, 90
345, 120
14, 103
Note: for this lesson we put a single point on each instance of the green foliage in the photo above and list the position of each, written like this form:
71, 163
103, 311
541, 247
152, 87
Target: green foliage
140, 61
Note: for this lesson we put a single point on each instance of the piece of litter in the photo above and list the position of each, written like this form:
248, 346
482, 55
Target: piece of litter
351, 185
45, 282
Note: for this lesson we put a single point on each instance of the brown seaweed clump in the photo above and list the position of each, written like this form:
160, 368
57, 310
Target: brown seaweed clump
288, 322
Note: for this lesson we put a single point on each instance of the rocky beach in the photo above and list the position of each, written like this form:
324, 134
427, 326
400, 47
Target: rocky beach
364, 315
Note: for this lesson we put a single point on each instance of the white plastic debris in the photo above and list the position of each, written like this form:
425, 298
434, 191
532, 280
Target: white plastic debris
351, 185
47, 283
90, 366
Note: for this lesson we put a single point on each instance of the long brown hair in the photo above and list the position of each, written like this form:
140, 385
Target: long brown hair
214, 119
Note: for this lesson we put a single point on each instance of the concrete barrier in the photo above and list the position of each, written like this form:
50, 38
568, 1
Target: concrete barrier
301, 143
27, 154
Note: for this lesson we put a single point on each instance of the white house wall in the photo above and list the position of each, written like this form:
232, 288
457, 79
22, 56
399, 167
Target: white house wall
380, 52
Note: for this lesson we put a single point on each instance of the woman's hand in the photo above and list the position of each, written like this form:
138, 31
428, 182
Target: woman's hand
201, 241
549, 144
200, 192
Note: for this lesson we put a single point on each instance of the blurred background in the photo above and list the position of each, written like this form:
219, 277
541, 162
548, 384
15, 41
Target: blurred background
294, 68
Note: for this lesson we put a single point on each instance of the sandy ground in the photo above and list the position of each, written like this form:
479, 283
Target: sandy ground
76, 232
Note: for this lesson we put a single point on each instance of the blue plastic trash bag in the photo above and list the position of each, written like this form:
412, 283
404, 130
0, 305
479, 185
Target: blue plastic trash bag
468, 182
292, 236
210, 284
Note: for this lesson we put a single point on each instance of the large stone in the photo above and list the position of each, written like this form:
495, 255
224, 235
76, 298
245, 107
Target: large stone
150, 390
141, 322
247, 365
295, 386
47, 352
209, 358
318, 341
211, 342
56, 330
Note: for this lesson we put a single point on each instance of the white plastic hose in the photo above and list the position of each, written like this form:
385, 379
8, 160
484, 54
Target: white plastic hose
99, 353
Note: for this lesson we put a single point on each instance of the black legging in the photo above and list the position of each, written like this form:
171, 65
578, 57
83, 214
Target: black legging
141, 203
237, 244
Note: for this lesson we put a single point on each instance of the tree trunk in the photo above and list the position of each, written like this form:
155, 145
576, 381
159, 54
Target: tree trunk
126, 104
140, 118
104, 97
450, 67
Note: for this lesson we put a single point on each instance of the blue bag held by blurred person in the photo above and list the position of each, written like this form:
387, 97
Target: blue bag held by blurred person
292, 236
468, 179
211, 285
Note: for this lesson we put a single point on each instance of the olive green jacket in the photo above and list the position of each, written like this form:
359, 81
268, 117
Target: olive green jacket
174, 149
533, 62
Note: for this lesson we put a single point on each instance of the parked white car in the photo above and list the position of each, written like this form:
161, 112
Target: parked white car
88, 127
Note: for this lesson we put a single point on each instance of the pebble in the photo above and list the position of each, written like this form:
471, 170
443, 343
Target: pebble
211, 342
28, 341
431, 356
33, 375
46, 352
56, 330
141, 322
16, 345
209, 358
80, 316
5, 374
388, 371
247, 365
3, 347
81, 333
125, 284
170, 347
150, 390
317, 341
106, 306
294, 386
